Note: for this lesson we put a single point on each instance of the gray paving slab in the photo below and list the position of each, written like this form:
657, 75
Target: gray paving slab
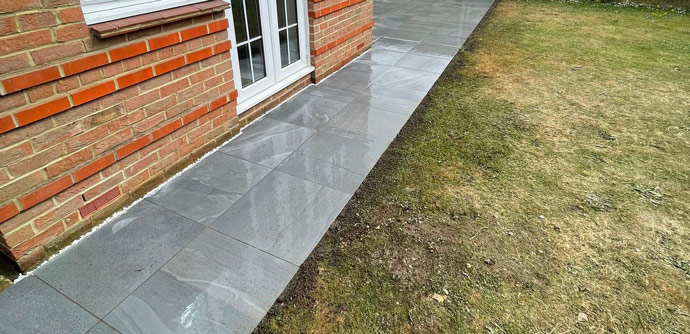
267, 142
102, 328
32, 306
423, 63
212, 250
321, 172
219, 179
366, 124
268, 216
214, 285
101, 270
307, 110
355, 156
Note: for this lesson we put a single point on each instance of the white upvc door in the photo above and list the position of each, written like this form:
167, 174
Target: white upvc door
270, 44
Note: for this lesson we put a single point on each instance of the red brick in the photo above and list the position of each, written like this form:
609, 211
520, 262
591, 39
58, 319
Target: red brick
170, 65
69, 162
13, 63
127, 51
94, 167
36, 160
25, 41
134, 78
37, 20
10, 155
141, 100
39, 239
192, 116
42, 111
9, 6
193, 33
132, 147
84, 64
6, 124
40, 92
217, 103
163, 41
93, 93
233, 95
112, 140
8, 211
18, 236
56, 52
196, 56
166, 129
46, 192
106, 184
62, 211
218, 26
222, 47
72, 32
23, 81
69, 15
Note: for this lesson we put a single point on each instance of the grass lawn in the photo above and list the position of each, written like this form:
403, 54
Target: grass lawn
544, 187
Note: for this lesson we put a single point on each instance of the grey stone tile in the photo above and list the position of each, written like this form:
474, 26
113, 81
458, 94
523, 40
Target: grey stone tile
32, 306
423, 63
266, 217
219, 179
101, 270
363, 123
448, 40
407, 79
380, 56
398, 106
267, 142
330, 93
388, 91
436, 50
392, 44
407, 35
355, 156
102, 328
215, 285
307, 110
321, 172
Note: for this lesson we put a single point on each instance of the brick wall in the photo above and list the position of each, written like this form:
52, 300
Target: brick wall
340, 30
88, 125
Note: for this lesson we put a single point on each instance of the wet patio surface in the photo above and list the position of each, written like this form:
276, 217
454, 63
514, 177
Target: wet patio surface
212, 250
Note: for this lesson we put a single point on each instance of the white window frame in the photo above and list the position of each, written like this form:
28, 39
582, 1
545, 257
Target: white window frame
98, 11
277, 78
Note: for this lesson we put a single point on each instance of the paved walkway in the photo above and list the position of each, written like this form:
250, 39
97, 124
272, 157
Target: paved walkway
212, 250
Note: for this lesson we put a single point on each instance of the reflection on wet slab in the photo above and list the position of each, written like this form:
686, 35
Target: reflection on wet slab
101, 270
267, 142
214, 285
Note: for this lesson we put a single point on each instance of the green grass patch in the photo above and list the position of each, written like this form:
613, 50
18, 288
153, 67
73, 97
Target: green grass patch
547, 180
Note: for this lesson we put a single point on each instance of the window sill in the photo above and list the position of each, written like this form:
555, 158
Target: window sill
134, 23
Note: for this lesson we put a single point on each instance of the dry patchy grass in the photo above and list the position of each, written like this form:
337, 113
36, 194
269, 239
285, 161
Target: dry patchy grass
547, 176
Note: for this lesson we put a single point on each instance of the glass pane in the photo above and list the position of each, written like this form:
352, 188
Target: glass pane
238, 19
293, 40
284, 58
291, 11
280, 4
253, 18
245, 66
258, 60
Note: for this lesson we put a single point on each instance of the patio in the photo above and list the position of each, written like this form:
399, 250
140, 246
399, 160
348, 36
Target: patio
211, 250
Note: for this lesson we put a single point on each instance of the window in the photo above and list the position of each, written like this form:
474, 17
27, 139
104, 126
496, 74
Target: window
270, 46
97, 11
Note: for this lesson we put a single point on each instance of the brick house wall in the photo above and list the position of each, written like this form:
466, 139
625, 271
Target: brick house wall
88, 125
340, 30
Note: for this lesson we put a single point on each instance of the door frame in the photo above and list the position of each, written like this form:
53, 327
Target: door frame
277, 78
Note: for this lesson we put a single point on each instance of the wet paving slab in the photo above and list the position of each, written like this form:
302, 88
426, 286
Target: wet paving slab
210, 251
